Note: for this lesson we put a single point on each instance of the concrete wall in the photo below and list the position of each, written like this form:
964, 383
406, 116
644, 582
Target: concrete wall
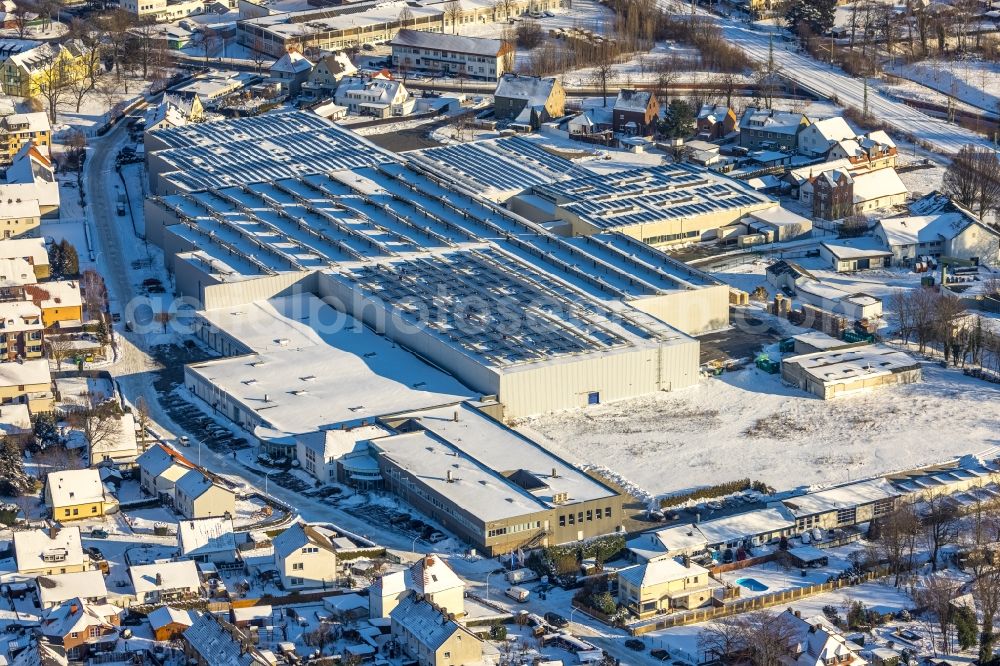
693, 311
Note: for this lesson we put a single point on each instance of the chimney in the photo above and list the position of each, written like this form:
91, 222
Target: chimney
159, 579
73, 609
555, 475
687, 562
267, 398
53, 531
455, 416
797, 613
450, 478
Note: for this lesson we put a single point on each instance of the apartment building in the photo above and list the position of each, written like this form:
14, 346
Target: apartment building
163, 10
472, 57
20, 330
23, 74
766, 128
19, 129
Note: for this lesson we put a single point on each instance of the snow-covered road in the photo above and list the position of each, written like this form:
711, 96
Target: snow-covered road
831, 83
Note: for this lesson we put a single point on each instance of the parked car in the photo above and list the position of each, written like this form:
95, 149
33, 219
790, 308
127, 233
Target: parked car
98, 533
436, 537
184, 440
556, 620
659, 654
635, 644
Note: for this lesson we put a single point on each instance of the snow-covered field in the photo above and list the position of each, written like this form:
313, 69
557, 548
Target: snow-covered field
749, 424
975, 82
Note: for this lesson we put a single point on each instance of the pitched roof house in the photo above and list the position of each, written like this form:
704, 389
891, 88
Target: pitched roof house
81, 628
528, 101
50, 551
74, 494
635, 112
306, 556
432, 579
198, 496
429, 637
208, 539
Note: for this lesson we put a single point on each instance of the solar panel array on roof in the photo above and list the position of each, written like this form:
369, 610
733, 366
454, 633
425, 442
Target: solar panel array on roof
645, 196
267, 147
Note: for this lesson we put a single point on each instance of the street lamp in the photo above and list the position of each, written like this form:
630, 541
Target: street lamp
413, 546
488, 583
266, 475
572, 612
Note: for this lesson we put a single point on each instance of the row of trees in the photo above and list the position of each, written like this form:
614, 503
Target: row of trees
973, 179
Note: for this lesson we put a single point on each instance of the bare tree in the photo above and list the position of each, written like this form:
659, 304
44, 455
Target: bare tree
604, 70
936, 595
453, 12
142, 420
939, 523
59, 349
54, 85
101, 424
760, 637
898, 532
22, 17
973, 179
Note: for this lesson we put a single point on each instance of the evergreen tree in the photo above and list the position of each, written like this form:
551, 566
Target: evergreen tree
965, 627
71, 261
678, 121
13, 479
56, 261
817, 15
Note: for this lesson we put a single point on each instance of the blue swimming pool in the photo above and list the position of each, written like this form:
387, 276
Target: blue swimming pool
751, 584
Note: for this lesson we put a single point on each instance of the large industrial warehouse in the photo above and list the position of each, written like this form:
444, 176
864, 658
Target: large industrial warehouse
539, 321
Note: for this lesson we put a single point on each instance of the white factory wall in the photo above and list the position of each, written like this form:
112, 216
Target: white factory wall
614, 376
693, 311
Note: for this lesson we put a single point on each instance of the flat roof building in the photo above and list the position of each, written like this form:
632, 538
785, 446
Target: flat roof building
829, 374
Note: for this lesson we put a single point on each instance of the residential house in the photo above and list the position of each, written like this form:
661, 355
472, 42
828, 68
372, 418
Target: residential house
19, 217
378, 97
386, 592
163, 10
429, 638
197, 496
82, 629
817, 139
15, 276
120, 447
290, 71
528, 101
769, 129
663, 585
955, 233
328, 72
164, 582
878, 189
59, 588
24, 74
160, 468
856, 306
210, 641
715, 121
208, 540
847, 255
59, 301
831, 194
15, 424
318, 452
471, 57
874, 150
31, 177
816, 642
169, 623
20, 129
432, 579
305, 555
635, 112
74, 494
31, 250
592, 120
28, 383
50, 551
20, 330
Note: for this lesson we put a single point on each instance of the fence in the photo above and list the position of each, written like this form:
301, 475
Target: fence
751, 603
741, 564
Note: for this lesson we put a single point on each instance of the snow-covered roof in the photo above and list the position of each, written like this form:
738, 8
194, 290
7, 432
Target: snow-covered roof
817, 643
779, 122
165, 615
76, 616
57, 588
833, 129
157, 459
194, 484
36, 121
779, 216
75, 486
164, 576
121, 444
744, 525
16, 272
426, 624
390, 584
292, 62
60, 294
13, 209
345, 603
659, 572
203, 536
877, 184
845, 496
676, 539
210, 637
819, 340
903, 231
32, 250
633, 100
302, 534
431, 574
856, 248
373, 376
450, 43
15, 419
334, 443
534, 90
852, 364
47, 549
496, 472
20, 316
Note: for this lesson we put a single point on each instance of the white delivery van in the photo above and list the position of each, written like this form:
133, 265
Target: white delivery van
518, 594
518, 576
